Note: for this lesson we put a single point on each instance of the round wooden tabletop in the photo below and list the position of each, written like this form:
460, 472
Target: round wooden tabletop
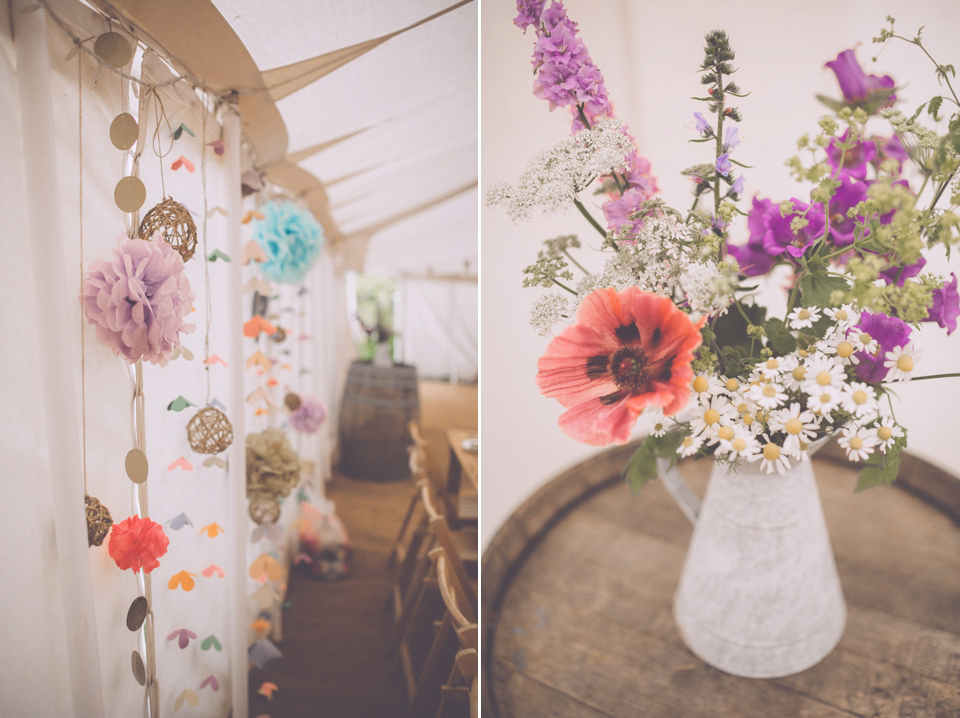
578, 588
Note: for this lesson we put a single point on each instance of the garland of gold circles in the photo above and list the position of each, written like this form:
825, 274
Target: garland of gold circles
99, 521
209, 431
174, 223
273, 469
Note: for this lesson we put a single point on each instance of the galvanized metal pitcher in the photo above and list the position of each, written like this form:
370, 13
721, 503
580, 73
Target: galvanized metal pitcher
759, 595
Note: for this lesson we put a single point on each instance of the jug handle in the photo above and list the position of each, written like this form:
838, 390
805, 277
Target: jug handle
679, 489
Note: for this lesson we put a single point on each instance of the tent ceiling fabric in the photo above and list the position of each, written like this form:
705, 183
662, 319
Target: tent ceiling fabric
390, 128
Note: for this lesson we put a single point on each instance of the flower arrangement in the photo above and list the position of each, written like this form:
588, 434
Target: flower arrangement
138, 301
291, 238
673, 322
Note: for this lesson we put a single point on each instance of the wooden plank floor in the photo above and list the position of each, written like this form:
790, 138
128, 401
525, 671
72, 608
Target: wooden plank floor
335, 662
586, 628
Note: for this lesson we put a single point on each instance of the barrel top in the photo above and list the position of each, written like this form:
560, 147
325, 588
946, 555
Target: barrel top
578, 588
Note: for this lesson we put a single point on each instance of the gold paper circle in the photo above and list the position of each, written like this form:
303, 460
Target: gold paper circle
113, 49
136, 466
130, 194
124, 131
139, 672
137, 613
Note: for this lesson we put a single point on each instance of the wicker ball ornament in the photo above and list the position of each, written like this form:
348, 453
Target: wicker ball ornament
175, 225
264, 509
99, 521
209, 431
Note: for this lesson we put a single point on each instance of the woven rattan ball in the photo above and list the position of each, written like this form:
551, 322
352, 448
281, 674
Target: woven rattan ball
174, 223
279, 335
209, 432
264, 510
99, 521
292, 401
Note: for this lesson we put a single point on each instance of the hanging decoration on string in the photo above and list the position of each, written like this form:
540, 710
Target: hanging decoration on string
174, 223
113, 49
138, 301
291, 238
273, 469
209, 431
307, 413
137, 543
99, 521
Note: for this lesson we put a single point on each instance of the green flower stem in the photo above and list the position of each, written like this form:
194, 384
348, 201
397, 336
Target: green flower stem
590, 218
564, 286
944, 75
716, 191
932, 376
580, 266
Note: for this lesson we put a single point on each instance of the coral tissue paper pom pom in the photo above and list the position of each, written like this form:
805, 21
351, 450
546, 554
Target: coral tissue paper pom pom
291, 238
137, 543
308, 417
138, 300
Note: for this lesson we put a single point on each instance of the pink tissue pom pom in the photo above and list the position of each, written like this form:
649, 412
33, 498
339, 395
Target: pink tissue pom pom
139, 299
308, 417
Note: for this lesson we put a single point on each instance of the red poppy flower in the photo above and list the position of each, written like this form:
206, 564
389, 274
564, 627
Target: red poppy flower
137, 543
628, 350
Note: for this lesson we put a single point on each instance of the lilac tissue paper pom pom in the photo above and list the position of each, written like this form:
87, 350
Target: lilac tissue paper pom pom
308, 417
138, 300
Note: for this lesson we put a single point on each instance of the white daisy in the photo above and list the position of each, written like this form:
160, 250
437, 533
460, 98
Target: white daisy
730, 384
858, 443
800, 427
862, 341
803, 317
844, 316
901, 362
823, 372
824, 401
769, 369
794, 371
740, 442
767, 396
887, 432
659, 428
707, 417
772, 459
690, 445
706, 385
837, 344
860, 400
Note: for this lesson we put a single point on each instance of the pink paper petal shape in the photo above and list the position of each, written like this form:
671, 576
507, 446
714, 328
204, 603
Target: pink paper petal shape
213, 569
181, 463
182, 161
217, 146
214, 359
212, 682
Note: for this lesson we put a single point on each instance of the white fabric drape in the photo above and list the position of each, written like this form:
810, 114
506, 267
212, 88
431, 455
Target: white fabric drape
440, 332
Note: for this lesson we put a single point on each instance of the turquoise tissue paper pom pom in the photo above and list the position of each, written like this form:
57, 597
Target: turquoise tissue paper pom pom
291, 238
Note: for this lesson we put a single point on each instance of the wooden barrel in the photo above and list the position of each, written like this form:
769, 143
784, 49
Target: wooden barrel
378, 402
578, 587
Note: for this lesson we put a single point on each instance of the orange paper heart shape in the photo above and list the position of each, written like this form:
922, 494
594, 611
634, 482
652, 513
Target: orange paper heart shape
256, 325
184, 579
213, 530
182, 161
265, 564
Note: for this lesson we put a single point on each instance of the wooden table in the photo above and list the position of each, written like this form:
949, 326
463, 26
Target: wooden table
463, 465
578, 588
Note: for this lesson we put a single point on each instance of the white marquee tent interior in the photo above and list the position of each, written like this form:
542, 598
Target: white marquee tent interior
365, 115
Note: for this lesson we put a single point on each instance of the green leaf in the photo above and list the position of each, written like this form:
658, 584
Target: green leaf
884, 471
731, 328
835, 105
642, 466
917, 113
816, 288
934, 106
781, 340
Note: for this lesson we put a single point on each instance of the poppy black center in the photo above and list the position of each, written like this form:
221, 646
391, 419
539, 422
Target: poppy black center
631, 369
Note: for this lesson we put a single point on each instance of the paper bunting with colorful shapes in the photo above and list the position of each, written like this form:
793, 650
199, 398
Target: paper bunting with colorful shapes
181, 129
272, 531
249, 217
214, 359
179, 521
266, 565
263, 653
267, 689
258, 285
212, 530
217, 146
259, 359
260, 627
210, 642
183, 579
213, 569
212, 682
260, 394
182, 161
189, 697
183, 635
256, 325
217, 210
217, 254
180, 403
181, 463
253, 252
215, 461
265, 596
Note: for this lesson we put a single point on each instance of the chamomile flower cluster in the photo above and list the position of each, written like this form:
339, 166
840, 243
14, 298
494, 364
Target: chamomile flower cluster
787, 403
555, 177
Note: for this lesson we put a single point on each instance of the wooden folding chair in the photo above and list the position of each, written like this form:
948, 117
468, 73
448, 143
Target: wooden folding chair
461, 548
455, 631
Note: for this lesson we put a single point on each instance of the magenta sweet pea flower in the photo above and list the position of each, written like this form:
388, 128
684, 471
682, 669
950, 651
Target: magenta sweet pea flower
855, 160
946, 306
617, 210
855, 84
779, 238
753, 259
849, 194
899, 275
528, 13
889, 332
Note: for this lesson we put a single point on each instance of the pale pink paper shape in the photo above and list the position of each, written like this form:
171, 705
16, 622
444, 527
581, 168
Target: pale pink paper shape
214, 359
181, 463
184, 635
182, 161
217, 146
253, 252
212, 682
213, 569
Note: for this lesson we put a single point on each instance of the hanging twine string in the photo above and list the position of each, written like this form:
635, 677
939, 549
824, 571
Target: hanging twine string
160, 111
206, 254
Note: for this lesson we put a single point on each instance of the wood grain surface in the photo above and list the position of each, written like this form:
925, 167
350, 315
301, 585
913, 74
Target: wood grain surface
578, 588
